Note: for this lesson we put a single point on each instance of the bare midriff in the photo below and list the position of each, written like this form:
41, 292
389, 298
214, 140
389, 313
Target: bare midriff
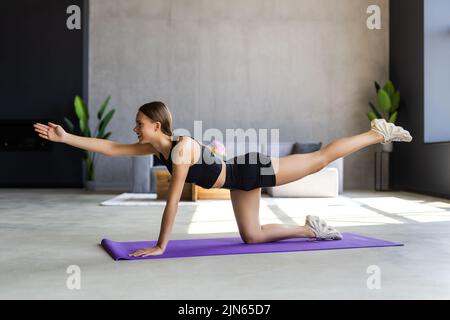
221, 179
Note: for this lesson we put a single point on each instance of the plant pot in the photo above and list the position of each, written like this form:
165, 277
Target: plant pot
388, 147
89, 185
382, 171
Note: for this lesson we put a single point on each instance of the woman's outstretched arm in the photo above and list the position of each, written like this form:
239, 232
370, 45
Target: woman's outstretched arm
56, 133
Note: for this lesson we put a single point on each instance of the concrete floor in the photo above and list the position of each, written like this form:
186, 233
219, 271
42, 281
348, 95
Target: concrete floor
43, 231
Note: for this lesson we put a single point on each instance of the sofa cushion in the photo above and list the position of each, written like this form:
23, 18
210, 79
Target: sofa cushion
141, 178
300, 147
277, 150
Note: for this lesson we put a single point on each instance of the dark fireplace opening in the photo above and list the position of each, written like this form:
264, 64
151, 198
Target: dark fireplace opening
19, 135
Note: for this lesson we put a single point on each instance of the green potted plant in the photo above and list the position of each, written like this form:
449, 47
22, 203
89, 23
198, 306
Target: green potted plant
388, 101
82, 113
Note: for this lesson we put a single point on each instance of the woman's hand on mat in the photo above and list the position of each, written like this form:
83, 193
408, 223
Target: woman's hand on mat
154, 251
52, 132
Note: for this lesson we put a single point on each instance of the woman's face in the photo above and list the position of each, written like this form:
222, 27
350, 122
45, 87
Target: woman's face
144, 128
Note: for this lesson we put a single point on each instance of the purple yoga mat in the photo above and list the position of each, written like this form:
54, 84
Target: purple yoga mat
223, 246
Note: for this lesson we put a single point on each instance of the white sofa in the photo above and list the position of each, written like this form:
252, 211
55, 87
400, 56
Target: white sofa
328, 182
324, 183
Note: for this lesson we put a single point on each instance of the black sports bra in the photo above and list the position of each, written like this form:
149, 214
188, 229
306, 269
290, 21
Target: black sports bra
204, 172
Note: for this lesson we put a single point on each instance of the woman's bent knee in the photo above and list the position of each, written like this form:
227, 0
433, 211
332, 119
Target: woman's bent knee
252, 238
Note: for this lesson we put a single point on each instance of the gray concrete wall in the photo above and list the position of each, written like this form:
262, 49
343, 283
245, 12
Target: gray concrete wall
304, 66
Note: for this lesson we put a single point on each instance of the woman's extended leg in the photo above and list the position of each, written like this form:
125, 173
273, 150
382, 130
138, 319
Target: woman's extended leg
287, 169
297, 166
246, 210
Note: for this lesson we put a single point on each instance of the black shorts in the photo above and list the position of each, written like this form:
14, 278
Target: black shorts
249, 171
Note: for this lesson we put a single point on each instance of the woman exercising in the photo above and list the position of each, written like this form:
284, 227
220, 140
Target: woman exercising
189, 161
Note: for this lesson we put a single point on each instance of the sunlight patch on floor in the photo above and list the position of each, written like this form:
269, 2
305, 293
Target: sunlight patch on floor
214, 217
338, 213
397, 205
300, 207
348, 217
439, 204
218, 217
427, 216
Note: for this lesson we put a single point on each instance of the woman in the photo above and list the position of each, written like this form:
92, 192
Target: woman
189, 161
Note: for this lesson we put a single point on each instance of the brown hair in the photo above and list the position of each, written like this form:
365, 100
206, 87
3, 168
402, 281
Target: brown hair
157, 111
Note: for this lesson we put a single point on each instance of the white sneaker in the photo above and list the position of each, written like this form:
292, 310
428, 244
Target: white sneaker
322, 230
390, 131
